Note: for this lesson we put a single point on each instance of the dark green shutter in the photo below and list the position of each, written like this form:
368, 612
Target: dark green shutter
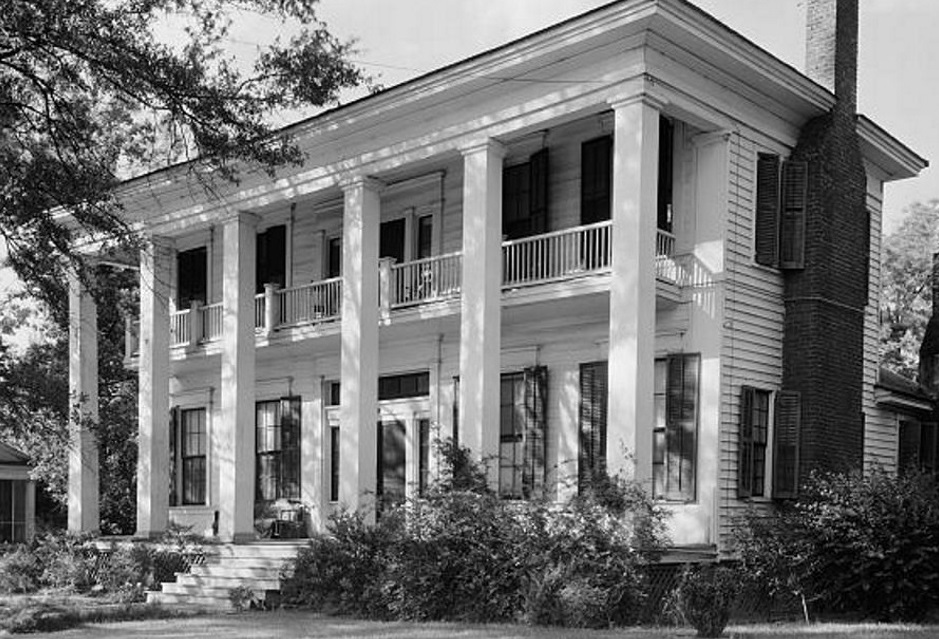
596, 179
787, 429
792, 224
681, 408
539, 192
290, 448
593, 413
535, 441
767, 209
745, 458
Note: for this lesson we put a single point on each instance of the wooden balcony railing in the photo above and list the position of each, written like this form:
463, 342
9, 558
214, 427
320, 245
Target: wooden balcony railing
316, 302
260, 309
211, 322
180, 327
557, 255
427, 280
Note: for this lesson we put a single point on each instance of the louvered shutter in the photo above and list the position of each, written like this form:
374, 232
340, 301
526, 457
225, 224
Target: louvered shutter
787, 428
767, 209
536, 392
456, 410
792, 223
910, 439
593, 408
174, 448
681, 406
745, 458
927, 447
596, 179
290, 448
539, 191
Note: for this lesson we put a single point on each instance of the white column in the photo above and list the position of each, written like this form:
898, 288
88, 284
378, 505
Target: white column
359, 360
236, 431
632, 288
153, 401
481, 317
83, 408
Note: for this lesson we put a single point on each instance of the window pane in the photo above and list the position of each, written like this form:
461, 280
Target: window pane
334, 463
425, 229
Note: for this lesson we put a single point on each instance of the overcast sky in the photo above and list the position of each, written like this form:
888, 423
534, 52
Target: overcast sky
899, 52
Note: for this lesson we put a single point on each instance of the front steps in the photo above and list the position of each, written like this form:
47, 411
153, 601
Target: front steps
256, 566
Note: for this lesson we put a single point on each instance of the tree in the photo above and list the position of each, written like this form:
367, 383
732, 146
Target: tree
88, 91
906, 302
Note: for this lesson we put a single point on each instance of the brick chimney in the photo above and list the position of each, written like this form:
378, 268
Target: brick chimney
823, 347
929, 350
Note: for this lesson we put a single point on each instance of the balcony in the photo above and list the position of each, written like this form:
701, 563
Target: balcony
555, 257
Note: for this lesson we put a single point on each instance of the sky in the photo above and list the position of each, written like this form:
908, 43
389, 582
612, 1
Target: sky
897, 86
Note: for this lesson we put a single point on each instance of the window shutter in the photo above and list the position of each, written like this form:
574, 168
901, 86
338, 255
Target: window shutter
792, 224
290, 447
681, 428
174, 434
536, 392
596, 179
456, 410
909, 444
538, 174
786, 444
767, 209
593, 407
745, 460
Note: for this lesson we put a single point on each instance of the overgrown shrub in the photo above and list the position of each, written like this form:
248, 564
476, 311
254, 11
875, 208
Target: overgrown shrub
852, 543
129, 573
68, 561
705, 596
462, 553
20, 571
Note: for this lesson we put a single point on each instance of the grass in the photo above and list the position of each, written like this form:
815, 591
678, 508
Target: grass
47, 612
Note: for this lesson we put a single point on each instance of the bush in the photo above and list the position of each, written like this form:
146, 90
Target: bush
20, 571
705, 596
462, 553
128, 574
68, 561
852, 543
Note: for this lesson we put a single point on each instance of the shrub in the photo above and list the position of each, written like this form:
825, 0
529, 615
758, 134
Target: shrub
705, 596
853, 543
68, 561
129, 573
20, 571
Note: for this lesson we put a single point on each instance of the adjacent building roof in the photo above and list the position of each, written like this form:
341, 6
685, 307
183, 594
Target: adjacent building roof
10, 456
897, 391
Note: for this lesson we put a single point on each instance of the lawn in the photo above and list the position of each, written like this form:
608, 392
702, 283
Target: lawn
268, 625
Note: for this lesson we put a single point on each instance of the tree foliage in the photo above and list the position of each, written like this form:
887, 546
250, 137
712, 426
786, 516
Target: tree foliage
88, 92
906, 299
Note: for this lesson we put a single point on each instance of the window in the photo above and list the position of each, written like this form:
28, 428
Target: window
423, 455
334, 444
675, 429
402, 386
754, 437
12, 511
780, 212
522, 426
333, 257
188, 445
191, 277
425, 236
391, 242
666, 173
593, 409
525, 197
333, 393
917, 446
271, 263
391, 478
596, 179
277, 445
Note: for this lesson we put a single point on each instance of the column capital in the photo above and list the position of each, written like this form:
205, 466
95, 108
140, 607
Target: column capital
350, 182
491, 145
157, 242
245, 217
644, 97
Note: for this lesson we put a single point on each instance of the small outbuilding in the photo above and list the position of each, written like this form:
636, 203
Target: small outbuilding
17, 497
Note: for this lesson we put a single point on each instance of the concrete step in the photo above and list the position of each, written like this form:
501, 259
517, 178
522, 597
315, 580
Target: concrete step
202, 581
213, 592
190, 601
225, 570
286, 549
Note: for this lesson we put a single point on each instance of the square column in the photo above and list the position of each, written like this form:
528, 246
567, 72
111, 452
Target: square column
83, 407
632, 288
236, 447
358, 413
153, 401
481, 298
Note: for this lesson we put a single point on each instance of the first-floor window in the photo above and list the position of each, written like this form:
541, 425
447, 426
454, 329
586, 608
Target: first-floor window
188, 445
522, 421
593, 409
423, 455
918, 446
754, 437
675, 429
277, 428
768, 458
334, 463
12, 511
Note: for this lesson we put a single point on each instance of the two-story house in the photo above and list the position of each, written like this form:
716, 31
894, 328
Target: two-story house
634, 240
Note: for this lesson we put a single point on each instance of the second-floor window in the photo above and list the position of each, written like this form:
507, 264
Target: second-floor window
191, 277
271, 263
596, 179
525, 197
779, 224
